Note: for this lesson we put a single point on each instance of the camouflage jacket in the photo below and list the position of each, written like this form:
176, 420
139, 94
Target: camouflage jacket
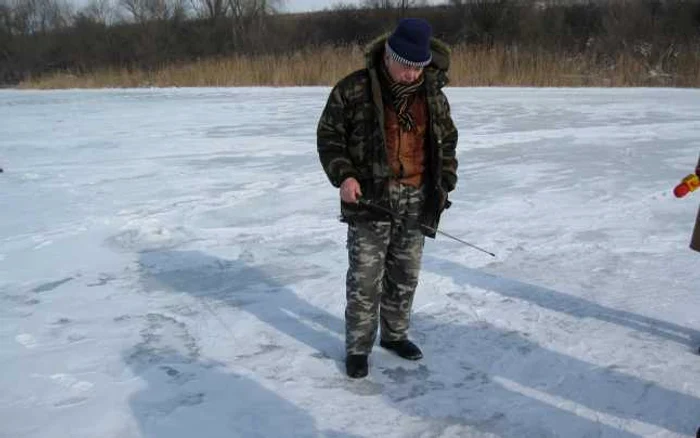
351, 137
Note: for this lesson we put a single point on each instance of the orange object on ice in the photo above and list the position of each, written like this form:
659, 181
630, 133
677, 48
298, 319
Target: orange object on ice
689, 184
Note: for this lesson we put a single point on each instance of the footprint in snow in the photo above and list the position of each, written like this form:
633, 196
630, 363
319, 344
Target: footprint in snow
46, 287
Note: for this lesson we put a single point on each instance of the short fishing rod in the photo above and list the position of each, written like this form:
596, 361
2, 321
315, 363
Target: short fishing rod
432, 230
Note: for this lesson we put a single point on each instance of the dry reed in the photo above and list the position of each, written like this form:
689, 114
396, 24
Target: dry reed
471, 66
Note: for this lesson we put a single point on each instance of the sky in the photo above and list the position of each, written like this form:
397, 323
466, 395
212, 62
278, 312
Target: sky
172, 265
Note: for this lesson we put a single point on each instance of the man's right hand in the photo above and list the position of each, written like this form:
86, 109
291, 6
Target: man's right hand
350, 191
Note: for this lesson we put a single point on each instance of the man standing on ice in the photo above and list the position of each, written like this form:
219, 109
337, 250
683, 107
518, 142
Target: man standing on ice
386, 139
695, 240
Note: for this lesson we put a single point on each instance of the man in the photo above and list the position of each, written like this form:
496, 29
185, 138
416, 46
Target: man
695, 240
695, 245
386, 137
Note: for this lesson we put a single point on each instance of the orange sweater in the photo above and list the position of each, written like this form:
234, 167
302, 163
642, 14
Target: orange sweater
406, 149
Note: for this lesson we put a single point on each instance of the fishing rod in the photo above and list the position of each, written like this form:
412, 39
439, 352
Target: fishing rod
395, 215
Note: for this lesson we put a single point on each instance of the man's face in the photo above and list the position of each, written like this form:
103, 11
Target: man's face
402, 73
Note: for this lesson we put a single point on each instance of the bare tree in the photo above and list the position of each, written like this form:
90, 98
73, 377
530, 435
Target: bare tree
32, 16
54, 14
5, 30
5, 17
253, 8
212, 9
249, 19
393, 4
399, 6
146, 10
378, 4
100, 11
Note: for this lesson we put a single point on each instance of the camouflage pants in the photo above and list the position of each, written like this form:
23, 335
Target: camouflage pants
384, 264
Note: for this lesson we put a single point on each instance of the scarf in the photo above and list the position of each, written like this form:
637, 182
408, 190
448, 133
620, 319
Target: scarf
401, 96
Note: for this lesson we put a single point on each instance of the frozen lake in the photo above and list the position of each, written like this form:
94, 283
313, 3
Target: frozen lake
172, 265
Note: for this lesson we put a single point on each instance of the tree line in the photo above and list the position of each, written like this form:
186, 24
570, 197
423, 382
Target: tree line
38, 37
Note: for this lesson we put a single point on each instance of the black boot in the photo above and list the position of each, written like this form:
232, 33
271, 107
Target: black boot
405, 348
356, 365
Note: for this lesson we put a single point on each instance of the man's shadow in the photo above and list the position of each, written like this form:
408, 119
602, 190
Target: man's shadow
563, 303
259, 291
186, 397
478, 376
545, 392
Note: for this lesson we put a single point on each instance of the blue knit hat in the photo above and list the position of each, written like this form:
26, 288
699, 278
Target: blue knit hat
409, 44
